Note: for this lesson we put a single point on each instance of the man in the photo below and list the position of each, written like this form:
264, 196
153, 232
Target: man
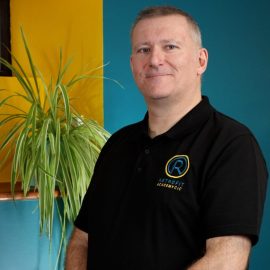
185, 187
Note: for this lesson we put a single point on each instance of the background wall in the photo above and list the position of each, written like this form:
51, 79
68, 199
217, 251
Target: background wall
237, 36
21, 246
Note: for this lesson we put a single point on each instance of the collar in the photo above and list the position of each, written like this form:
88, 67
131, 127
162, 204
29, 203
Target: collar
191, 121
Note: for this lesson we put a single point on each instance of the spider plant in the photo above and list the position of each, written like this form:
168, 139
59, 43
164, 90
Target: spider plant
54, 147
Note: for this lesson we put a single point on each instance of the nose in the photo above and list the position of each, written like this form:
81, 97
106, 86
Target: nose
156, 57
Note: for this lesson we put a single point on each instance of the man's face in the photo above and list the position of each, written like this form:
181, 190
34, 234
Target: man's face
166, 60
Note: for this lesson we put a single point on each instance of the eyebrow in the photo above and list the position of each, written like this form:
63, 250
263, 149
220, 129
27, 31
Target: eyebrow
166, 41
163, 41
135, 47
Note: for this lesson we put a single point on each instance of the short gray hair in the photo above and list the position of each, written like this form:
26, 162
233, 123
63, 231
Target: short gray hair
159, 11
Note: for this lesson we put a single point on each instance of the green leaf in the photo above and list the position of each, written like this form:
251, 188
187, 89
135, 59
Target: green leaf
31, 63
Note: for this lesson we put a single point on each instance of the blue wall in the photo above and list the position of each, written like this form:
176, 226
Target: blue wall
21, 246
237, 36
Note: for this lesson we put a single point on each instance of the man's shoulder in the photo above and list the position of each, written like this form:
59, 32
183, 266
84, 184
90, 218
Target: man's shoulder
128, 131
124, 134
229, 125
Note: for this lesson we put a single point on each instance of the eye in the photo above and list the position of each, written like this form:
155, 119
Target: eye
143, 50
171, 47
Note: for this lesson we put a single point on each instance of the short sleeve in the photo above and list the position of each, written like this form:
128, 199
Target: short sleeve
81, 222
86, 212
234, 190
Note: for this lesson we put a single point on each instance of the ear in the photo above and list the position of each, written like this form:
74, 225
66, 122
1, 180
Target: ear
203, 60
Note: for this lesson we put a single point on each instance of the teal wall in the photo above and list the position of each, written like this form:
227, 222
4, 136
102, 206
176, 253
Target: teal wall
237, 81
21, 246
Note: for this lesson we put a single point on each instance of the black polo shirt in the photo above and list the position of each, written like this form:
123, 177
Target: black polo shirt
152, 203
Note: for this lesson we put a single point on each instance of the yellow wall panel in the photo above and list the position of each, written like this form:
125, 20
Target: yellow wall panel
75, 27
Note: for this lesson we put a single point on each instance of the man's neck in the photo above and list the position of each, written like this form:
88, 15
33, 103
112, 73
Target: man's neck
163, 116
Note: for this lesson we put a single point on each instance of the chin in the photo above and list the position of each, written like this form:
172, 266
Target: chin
158, 93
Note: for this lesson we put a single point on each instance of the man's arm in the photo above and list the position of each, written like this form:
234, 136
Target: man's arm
225, 253
76, 258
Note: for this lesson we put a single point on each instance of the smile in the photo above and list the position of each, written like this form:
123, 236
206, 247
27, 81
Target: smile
156, 75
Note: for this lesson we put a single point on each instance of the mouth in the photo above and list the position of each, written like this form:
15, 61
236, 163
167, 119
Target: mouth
154, 75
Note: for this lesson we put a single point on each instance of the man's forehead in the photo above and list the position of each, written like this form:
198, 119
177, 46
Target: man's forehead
159, 35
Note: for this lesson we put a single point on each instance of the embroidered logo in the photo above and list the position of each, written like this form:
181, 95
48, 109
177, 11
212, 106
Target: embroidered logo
170, 183
177, 166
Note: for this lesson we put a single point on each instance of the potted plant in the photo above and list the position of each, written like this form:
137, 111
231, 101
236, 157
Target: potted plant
55, 148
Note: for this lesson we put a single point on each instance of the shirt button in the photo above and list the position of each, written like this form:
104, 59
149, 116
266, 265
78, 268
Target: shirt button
147, 151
